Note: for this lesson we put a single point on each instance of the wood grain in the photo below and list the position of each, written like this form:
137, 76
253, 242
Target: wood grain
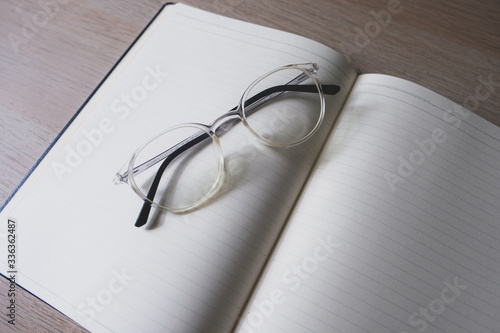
54, 53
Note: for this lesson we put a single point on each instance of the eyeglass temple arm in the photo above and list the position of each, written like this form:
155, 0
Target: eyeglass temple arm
272, 92
146, 207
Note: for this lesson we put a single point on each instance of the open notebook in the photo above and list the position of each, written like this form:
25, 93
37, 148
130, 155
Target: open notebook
385, 221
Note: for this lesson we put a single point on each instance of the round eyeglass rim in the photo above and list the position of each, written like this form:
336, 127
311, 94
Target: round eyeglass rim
215, 187
310, 70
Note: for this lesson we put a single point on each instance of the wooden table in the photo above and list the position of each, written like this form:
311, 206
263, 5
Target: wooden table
53, 53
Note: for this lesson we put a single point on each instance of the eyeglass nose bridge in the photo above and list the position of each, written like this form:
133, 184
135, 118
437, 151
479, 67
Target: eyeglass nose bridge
226, 121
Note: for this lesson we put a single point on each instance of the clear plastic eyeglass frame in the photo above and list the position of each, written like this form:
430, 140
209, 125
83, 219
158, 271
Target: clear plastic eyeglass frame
268, 90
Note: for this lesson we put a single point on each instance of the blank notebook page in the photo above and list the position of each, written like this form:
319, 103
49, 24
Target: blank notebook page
398, 229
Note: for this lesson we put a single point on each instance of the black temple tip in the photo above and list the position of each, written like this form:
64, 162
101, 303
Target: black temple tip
143, 215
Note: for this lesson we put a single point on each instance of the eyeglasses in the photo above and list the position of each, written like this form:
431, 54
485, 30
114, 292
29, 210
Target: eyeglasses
282, 108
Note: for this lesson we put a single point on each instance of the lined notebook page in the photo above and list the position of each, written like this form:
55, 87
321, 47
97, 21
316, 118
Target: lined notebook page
78, 248
398, 229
